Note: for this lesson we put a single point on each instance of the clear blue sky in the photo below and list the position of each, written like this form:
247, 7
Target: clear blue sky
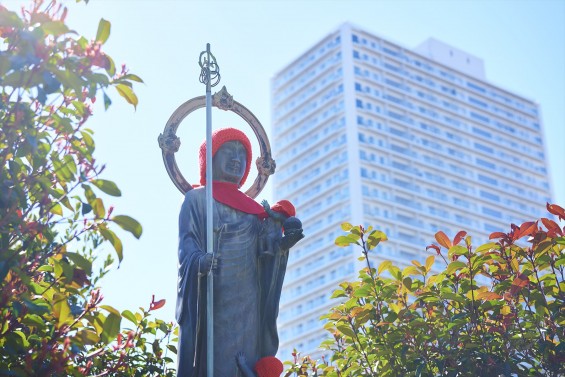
522, 44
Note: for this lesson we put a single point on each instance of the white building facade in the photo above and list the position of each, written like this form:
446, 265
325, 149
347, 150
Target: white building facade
411, 141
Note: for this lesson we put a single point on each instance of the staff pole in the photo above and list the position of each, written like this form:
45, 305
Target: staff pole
209, 68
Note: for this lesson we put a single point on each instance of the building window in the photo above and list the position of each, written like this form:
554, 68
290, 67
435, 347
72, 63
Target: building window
484, 148
481, 132
490, 196
479, 117
486, 164
487, 179
492, 212
476, 87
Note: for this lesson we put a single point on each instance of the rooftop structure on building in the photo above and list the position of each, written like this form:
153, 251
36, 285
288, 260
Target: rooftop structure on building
411, 141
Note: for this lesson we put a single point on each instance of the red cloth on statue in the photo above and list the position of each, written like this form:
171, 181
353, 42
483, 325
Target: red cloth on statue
269, 366
228, 194
285, 207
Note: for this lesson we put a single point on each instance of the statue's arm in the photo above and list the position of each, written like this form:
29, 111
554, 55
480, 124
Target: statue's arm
191, 254
191, 220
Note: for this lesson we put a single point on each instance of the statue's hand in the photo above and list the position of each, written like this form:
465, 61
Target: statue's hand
291, 237
240, 358
207, 262
265, 204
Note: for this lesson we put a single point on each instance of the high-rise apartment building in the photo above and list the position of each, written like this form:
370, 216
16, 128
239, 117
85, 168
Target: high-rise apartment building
411, 141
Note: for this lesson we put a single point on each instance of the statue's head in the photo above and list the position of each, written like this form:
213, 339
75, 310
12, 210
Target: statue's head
231, 156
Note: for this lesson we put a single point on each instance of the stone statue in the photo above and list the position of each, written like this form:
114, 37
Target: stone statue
247, 283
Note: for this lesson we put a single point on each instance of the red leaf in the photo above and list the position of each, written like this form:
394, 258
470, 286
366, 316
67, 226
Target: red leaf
435, 247
552, 226
496, 235
443, 240
156, 304
519, 282
556, 210
527, 229
459, 236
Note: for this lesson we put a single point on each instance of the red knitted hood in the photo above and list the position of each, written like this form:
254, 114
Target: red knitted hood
219, 137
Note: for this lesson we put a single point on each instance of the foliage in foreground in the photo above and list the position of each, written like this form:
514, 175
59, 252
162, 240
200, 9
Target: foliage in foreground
496, 309
52, 217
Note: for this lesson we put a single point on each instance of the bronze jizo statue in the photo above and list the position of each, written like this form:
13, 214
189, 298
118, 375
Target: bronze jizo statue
247, 281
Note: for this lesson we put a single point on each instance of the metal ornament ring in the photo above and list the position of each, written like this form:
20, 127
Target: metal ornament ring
170, 142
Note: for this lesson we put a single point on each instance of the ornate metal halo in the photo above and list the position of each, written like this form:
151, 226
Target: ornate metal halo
170, 142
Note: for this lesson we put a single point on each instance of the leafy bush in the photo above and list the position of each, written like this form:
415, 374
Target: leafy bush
52, 218
497, 309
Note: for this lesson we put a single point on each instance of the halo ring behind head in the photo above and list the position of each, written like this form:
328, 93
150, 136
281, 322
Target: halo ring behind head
170, 142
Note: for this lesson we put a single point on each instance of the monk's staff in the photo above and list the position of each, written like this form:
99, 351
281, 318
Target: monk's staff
210, 72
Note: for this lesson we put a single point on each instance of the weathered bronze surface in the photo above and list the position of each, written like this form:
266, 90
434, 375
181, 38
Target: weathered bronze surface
247, 282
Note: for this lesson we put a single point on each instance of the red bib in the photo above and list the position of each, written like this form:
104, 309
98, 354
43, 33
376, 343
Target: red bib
228, 194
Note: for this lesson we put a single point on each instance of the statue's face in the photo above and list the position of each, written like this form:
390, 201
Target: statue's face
229, 162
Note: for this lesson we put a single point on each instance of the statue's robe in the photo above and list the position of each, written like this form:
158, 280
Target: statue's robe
247, 288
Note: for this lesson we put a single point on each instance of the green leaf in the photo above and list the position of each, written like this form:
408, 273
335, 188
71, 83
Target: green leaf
130, 316
453, 297
106, 186
114, 240
86, 208
88, 140
384, 266
110, 65
132, 77
45, 268
395, 272
363, 291
110, 309
107, 101
487, 246
346, 227
429, 262
111, 327
70, 79
98, 207
454, 266
127, 92
411, 270
375, 238
88, 337
55, 28
129, 224
344, 241
61, 309
57, 209
345, 329
103, 31
33, 320
80, 261
457, 250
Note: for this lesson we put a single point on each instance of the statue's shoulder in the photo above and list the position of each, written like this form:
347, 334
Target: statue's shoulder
196, 194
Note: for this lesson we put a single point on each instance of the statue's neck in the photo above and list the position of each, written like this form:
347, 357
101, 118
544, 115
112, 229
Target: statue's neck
225, 185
